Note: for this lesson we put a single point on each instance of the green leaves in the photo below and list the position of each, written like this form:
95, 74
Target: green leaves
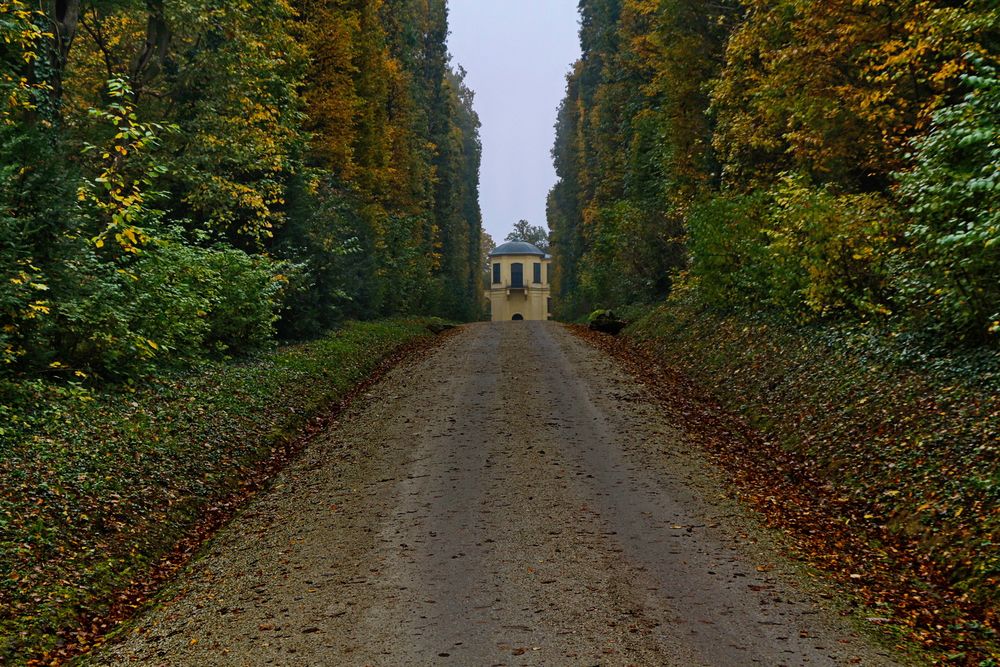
125, 169
953, 193
23, 41
152, 168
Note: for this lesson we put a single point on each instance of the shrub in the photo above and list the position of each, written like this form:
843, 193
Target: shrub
195, 301
246, 299
728, 247
171, 304
830, 252
954, 196
91, 327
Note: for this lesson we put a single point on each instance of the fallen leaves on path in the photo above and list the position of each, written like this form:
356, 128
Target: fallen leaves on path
885, 571
93, 628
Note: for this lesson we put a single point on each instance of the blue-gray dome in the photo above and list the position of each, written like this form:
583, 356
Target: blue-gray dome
516, 248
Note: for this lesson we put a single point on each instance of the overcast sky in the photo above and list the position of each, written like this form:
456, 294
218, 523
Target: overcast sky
517, 54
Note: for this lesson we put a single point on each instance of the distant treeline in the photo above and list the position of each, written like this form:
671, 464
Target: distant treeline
192, 177
836, 159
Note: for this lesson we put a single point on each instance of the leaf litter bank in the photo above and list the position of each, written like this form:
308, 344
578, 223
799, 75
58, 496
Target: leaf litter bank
103, 499
879, 473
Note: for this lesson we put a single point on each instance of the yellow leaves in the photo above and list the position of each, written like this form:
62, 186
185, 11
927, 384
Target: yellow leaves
949, 72
152, 344
22, 36
643, 7
11, 353
840, 89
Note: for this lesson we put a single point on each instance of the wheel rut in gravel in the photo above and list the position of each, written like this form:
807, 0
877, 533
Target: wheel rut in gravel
512, 499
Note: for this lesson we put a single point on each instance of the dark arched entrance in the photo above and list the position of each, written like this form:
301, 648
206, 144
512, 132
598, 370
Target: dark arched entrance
517, 316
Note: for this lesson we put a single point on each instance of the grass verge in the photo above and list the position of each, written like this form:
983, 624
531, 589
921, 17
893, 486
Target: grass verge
103, 492
882, 465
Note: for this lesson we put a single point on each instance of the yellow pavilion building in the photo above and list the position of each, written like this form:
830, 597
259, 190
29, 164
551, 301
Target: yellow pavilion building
519, 288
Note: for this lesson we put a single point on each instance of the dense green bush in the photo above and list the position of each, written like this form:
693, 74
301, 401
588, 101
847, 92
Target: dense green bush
90, 327
172, 303
829, 252
797, 249
954, 196
246, 293
728, 245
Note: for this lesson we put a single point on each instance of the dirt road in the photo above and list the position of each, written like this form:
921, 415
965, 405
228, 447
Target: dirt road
510, 500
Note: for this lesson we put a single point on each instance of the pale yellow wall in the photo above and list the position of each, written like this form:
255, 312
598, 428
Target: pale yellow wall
532, 303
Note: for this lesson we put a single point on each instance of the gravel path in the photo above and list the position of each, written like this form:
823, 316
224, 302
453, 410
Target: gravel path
512, 499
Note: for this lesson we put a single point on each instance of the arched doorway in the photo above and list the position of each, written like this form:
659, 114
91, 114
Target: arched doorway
517, 316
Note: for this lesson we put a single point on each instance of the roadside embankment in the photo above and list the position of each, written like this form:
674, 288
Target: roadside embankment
104, 494
882, 464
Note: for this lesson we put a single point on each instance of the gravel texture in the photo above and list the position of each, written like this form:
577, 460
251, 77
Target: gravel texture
511, 499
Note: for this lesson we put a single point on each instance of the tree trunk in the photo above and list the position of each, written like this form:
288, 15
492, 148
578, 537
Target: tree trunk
148, 62
63, 16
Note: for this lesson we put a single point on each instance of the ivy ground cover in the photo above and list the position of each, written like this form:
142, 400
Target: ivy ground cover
99, 488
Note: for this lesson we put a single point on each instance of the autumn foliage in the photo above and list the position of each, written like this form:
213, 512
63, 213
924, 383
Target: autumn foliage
164, 164
798, 154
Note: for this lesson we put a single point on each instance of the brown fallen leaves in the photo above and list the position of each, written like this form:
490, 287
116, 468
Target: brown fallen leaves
885, 571
92, 629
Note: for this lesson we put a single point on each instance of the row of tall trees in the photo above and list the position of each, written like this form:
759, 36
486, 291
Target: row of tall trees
834, 159
189, 177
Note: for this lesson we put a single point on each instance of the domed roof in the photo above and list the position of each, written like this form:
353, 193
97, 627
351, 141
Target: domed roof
516, 248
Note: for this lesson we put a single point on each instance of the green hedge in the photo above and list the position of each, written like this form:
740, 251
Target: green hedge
96, 487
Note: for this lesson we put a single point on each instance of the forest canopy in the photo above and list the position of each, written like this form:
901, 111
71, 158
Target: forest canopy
191, 178
814, 160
